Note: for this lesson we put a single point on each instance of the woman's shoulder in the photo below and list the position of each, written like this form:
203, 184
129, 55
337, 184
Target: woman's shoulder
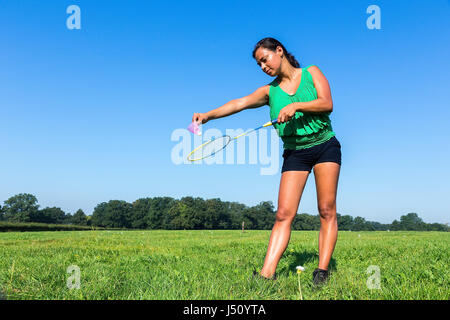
313, 72
312, 69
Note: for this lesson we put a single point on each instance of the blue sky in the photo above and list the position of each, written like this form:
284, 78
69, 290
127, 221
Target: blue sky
87, 115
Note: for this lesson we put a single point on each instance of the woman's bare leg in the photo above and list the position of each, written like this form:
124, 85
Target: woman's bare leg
327, 175
291, 188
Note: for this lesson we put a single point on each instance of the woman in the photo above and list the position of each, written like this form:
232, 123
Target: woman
300, 99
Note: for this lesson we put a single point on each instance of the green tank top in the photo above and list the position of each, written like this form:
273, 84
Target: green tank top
305, 129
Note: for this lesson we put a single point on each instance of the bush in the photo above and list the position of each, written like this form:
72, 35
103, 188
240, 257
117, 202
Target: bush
11, 226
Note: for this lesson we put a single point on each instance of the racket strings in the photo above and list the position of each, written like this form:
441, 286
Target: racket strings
210, 148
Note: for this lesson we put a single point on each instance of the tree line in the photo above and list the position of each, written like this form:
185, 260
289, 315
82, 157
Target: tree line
191, 214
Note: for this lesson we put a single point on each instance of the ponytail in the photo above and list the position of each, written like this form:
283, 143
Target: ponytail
272, 44
292, 60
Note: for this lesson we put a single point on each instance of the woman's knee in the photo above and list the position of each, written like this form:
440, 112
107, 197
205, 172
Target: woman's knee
284, 214
327, 210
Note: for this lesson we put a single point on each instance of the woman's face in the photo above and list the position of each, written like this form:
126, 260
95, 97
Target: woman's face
268, 60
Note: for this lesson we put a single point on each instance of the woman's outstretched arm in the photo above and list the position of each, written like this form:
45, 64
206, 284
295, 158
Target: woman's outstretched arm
253, 100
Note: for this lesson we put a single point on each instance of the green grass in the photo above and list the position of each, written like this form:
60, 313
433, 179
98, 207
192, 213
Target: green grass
218, 265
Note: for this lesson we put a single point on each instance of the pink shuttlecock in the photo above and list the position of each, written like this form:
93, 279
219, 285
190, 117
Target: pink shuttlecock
195, 128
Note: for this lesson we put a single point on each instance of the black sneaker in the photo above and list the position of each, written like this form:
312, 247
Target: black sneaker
259, 276
320, 277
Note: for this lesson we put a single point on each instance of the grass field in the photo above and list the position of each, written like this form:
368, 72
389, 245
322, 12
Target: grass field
194, 265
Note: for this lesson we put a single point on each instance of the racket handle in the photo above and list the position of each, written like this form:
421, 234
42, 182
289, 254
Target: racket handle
270, 123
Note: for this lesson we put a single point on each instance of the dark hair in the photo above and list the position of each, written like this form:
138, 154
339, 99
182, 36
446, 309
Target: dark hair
272, 44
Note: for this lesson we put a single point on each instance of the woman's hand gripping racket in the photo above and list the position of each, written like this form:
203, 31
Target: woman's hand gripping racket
213, 146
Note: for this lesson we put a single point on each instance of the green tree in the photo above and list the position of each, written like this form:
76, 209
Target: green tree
250, 218
79, 218
89, 220
345, 222
113, 214
411, 221
304, 221
158, 215
21, 208
141, 210
361, 224
379, 226
437, 227
184, 215
236, 212
152, 213
50, 215
395, 225
266, 215
215, 214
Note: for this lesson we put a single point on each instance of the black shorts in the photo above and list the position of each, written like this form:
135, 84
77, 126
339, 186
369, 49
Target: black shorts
305, 159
